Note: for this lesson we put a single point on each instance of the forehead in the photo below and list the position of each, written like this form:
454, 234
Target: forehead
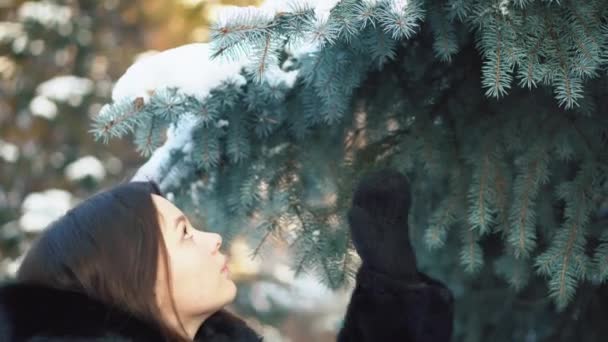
167, 211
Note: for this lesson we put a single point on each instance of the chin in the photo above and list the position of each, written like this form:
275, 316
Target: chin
232, 291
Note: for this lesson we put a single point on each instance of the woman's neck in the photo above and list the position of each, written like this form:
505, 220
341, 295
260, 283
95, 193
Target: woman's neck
189, 325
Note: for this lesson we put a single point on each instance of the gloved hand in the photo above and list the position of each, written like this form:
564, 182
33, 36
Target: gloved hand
378, 220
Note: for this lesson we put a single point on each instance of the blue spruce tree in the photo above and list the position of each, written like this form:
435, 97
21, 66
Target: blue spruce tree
496, 110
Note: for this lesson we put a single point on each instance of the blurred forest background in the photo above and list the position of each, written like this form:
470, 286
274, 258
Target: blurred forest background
58, 62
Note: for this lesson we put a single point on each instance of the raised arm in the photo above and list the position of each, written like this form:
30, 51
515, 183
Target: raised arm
391, 301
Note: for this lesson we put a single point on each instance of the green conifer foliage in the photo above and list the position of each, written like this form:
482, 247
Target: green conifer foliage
496, 110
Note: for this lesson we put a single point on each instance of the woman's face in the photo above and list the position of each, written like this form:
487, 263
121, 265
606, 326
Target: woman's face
201, 283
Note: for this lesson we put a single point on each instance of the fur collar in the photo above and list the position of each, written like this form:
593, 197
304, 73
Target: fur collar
36, 313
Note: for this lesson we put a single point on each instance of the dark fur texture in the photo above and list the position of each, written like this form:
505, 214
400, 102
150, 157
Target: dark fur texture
384, 309
381, 309
35, 313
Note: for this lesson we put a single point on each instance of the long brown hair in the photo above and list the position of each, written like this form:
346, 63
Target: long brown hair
108, 248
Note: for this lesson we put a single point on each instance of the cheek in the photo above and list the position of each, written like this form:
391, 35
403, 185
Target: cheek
190, 264
196, 280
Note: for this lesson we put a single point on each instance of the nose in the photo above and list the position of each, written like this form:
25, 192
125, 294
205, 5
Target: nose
218, 242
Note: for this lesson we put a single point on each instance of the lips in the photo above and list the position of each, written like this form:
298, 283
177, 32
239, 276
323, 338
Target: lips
225, 266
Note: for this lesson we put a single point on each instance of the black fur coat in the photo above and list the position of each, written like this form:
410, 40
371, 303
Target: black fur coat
381, 309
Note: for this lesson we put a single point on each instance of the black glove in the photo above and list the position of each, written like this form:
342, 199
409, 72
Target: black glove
378, 220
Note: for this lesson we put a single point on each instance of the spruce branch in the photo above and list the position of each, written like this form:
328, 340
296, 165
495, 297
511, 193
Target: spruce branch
458, 9
471, 254
515, 271
436, 234
600, 259
235, 30
565, 262
481, 198
569, 89
400, 19
445, 42
269, 228
149, 134
116, 119
207, 146
500, 170
496, 70
533, 174
533, 72
366, 13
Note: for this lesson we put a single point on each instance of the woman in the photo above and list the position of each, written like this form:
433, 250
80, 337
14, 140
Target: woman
127, 265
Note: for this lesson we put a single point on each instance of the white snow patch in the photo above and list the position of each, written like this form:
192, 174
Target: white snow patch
87, 166
9, 152
275, 76
9, 31
41, 208
43, 107
228, 15
13, 265
187, 67
178, 138
46, 13
321, 8
222, 123
67, 89
113, 165
282, 5
398, 6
